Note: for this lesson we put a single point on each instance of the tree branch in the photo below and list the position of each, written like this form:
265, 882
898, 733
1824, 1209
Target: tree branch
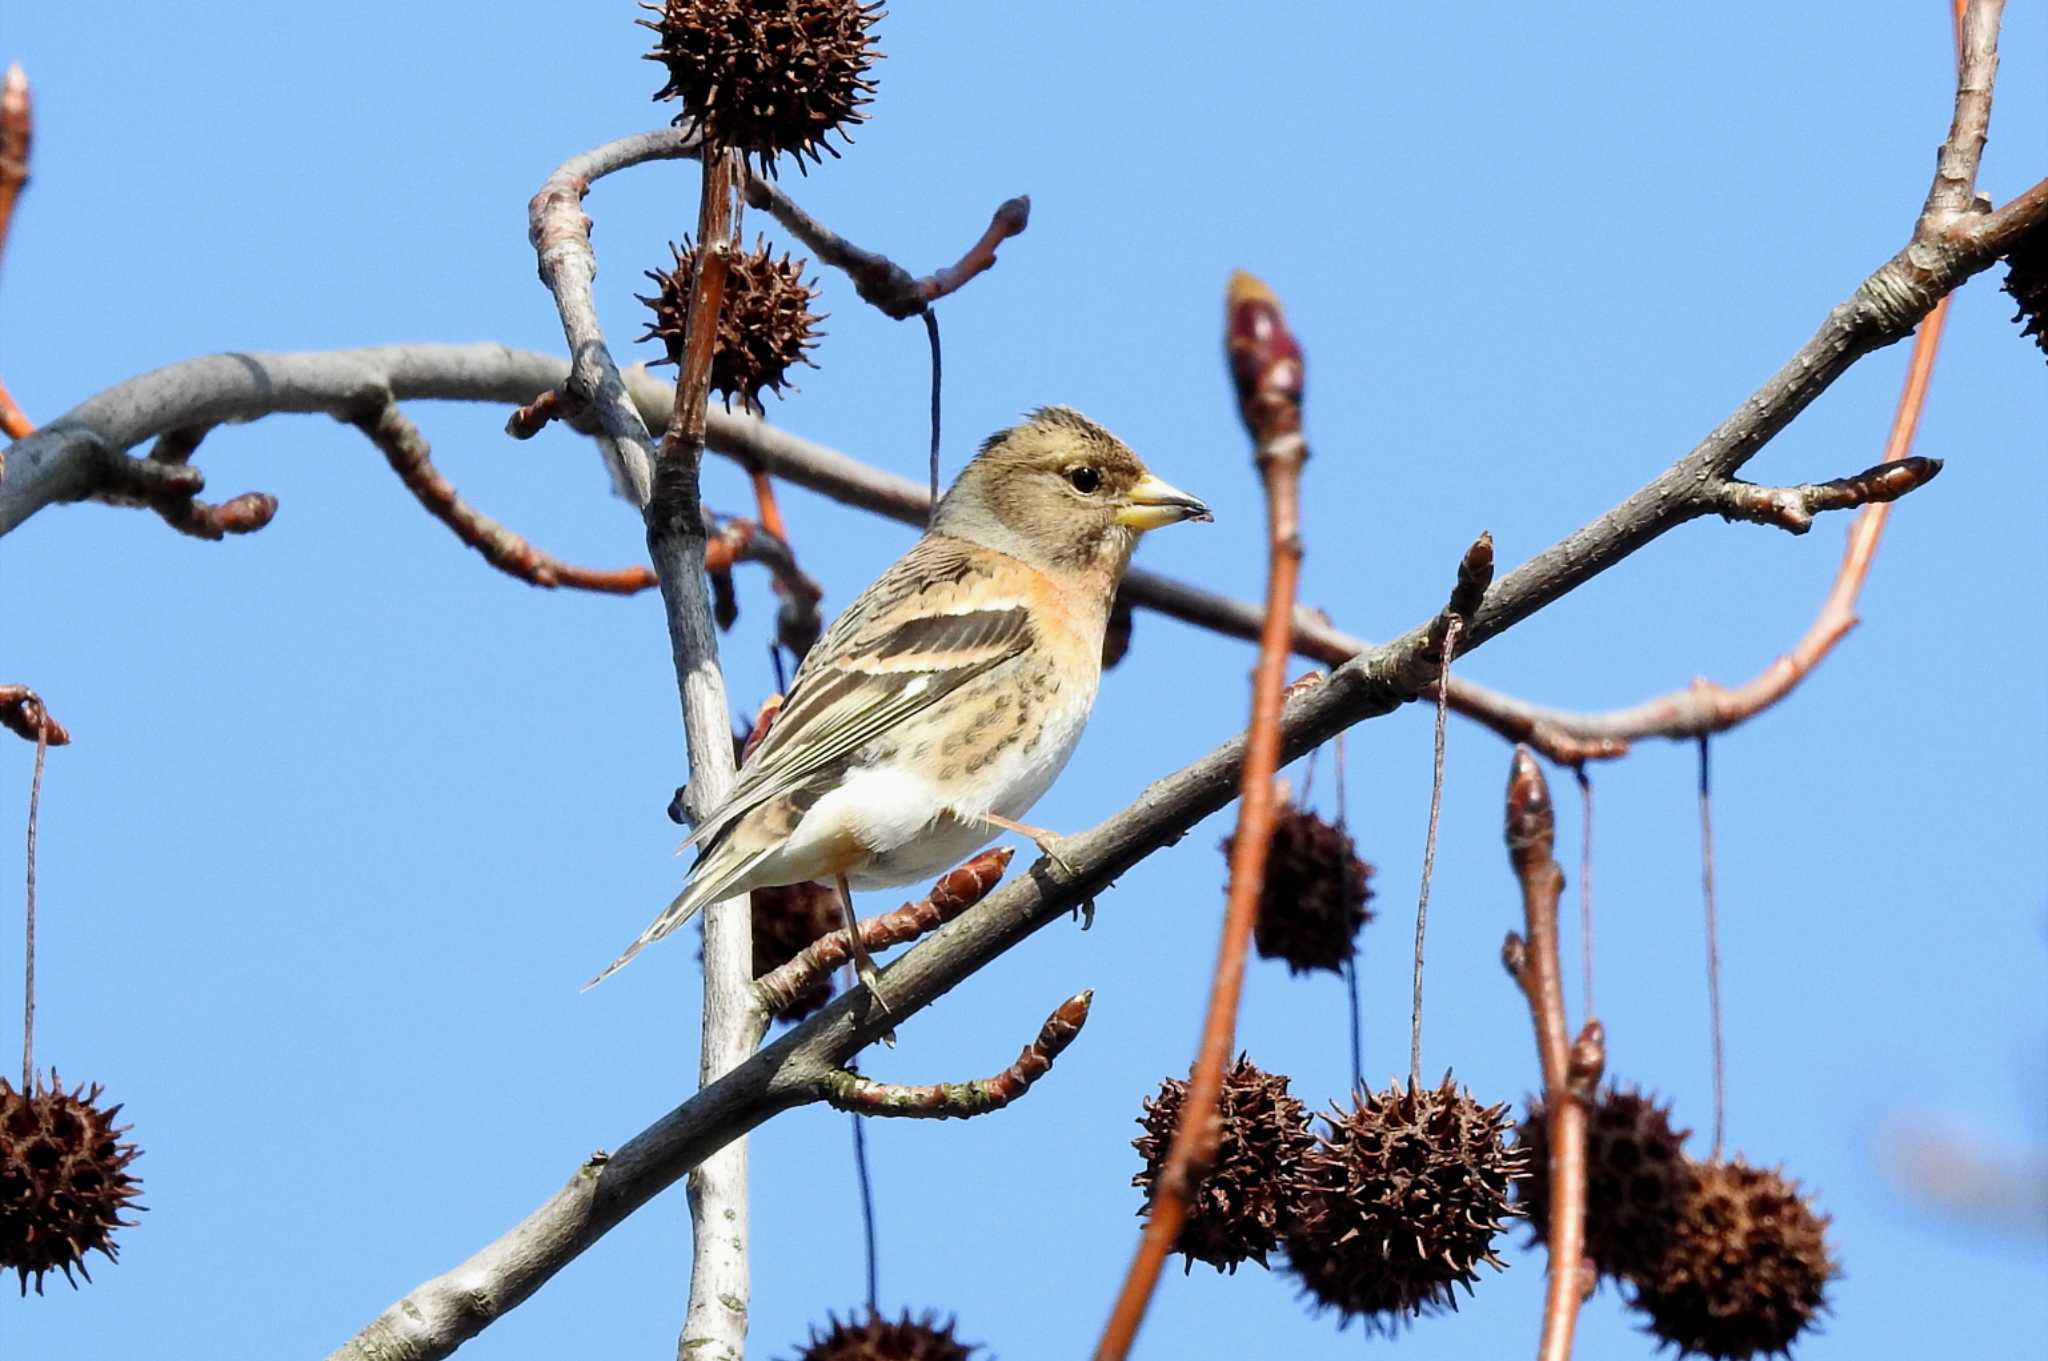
1266, 369
881, 282
409, 455
956, 890
666, 492
1569, 1073
849, 1091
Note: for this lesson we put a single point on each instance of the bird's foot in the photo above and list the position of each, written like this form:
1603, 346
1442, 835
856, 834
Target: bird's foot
1048, 843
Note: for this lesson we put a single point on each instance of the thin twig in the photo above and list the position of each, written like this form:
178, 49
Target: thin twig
953, 893
1570, 1072
14, 422
849, 1091
17, 133
931, 331
867, 1207
1436, 807
880, 281
1357, 1022
1713, 953
1266, 368
28, 952
1586, 884
410, 456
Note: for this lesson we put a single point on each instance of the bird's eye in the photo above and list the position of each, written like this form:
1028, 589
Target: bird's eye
1085, 479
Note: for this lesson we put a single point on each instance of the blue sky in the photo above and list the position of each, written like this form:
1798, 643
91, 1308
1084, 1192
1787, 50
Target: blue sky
349, 816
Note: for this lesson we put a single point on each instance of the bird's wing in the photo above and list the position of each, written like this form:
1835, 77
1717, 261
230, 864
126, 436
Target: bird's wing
945, 613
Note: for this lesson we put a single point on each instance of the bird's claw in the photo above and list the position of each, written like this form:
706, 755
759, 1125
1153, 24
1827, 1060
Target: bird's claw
1049, 846
871, 982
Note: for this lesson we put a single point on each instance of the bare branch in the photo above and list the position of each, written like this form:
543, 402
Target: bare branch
849, 1091
1570, 1073
1267, 371
17, 132
880, 281
409, 455
1792, 508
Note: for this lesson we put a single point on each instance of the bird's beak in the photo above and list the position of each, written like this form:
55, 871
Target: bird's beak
1153, 503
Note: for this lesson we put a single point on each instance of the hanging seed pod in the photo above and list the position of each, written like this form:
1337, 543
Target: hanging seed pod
765, 323
1637, 1179
1314, 899
786, 920
1748, 1266
2026, 278
875, 1338
767, 77
64, 1180
1239, 1208
1116, 639
1401, 1202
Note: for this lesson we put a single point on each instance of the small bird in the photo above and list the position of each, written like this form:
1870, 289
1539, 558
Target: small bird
948, 696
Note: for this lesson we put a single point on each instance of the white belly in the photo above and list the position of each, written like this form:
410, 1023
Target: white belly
900, 811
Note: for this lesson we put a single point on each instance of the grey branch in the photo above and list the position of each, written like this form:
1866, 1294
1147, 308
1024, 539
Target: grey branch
666, 491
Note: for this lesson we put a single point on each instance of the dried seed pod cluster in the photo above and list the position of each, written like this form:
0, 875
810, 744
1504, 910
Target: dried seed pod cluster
875, 1338
1637, 1177
765, 323
1240, 1208
1725, 1260
1314, 899
64, 1180
767, 77
1747, 1270
786, 920
2026, 278
1402, 1201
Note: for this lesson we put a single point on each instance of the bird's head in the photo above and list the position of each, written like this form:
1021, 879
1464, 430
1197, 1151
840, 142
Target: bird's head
1061, 493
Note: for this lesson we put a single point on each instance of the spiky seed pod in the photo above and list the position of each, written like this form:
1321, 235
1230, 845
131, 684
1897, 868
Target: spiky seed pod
1313, 902
64, 1179
2026, 278
785, 921
875, 1338
1239, 1209
767, 77
765, 323
1401, 1202
1637, 1178
1748, 1266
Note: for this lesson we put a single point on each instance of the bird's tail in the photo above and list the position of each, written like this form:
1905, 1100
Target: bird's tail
711, 878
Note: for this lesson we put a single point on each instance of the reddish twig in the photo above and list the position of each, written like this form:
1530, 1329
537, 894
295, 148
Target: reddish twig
14, 423
956, 890
17, 131
682, 444
766, 506
28, 988
409, 455
1266, 368
1792, 508
23, 713
1586, 883
555, 404
1570, 1071
880, 281
849, 1091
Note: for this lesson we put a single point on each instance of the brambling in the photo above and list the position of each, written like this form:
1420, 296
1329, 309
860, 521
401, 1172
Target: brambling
948, 696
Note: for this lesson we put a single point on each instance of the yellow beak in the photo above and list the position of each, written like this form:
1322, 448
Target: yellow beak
1154, 503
